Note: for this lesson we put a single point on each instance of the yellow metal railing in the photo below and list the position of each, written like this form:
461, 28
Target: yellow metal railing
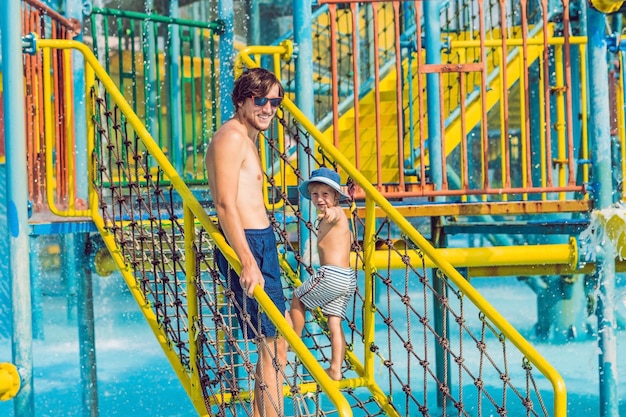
193, 213
49, 138
375, 199
621, 122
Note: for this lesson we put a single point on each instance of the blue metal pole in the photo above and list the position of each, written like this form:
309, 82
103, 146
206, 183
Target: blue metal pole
600, 139
17, 202
35, 287
150, 72
226, 48
5, 283
254, 30
80, 302
432, 44
303, 37
68, 268
75, 11
86, 328
177, 142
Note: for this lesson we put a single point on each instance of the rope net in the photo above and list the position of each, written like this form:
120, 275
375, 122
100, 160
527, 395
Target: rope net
415, 345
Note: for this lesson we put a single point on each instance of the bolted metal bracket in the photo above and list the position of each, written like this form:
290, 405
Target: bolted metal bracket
29, 43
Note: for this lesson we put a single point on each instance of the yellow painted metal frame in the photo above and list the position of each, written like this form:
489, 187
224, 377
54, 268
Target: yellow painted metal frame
607, 6
584, 145
373, 200
528, 255
9, 381
621, 123
514, 70
193, 212
49, 138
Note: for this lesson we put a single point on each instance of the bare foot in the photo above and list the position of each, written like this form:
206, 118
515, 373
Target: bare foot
334, 375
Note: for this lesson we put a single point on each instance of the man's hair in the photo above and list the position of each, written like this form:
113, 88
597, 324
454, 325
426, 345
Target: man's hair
255, 82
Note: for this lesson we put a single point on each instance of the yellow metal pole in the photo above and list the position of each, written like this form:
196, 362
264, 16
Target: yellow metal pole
369, 307
9, 381
49, 141
584, 145
90, 79
523, 131
621, 125
195, 388
48, 132
69, 132
559, 124
558, 254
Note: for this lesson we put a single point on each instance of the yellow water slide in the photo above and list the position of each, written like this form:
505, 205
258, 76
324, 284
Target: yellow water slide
499, 69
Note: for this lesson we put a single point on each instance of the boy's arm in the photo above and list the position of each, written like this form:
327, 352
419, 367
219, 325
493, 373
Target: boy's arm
332, 214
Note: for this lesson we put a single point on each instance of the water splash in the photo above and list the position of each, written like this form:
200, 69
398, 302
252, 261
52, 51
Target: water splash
605, 234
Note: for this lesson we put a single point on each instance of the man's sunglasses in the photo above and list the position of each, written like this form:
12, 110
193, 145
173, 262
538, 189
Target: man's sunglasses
262, 101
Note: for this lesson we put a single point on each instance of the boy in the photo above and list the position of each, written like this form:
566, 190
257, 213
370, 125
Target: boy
334, 282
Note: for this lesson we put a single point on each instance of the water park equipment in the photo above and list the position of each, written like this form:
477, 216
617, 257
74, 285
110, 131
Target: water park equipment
437, 128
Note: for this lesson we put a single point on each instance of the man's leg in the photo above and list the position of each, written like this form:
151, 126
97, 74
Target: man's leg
297, 314
268, 390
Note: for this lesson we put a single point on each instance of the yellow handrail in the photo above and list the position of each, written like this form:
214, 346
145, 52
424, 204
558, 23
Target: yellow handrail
558, 384
373, 197
194, 206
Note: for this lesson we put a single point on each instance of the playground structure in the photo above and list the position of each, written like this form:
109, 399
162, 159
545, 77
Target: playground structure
481, 133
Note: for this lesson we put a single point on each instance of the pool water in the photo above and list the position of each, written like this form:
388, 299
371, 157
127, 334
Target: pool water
135, 379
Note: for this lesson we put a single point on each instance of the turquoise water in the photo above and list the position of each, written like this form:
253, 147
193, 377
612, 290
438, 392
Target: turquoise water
134, 379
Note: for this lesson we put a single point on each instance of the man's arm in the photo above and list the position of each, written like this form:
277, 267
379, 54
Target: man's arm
224, 160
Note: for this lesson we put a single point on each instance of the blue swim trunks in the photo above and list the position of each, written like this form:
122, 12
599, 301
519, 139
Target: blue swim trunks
262, 243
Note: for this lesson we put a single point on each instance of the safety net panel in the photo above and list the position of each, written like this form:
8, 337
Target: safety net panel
143, 212
416, 345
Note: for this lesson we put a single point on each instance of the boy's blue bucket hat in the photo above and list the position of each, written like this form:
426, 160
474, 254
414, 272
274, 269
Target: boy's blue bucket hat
325, 176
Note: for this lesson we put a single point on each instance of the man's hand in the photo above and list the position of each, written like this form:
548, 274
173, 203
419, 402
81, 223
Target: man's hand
250, 277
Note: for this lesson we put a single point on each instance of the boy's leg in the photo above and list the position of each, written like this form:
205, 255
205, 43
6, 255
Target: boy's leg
337, 346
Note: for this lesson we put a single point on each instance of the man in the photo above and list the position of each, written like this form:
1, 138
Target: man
236, 182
